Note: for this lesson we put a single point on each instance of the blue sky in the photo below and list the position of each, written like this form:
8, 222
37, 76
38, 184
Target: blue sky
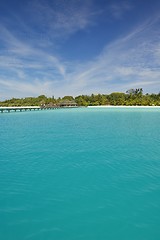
72, 47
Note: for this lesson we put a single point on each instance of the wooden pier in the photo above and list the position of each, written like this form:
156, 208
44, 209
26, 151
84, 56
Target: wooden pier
23, 109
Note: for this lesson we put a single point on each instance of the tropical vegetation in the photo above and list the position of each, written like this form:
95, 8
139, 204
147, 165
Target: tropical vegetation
132, 97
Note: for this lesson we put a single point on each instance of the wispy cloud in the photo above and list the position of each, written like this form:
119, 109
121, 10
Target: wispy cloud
130, 61
27, 54
16, 88
26, 69
29, 68
118, 9
17, 53
61, 18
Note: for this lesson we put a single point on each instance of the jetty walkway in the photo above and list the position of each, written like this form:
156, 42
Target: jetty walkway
28, 108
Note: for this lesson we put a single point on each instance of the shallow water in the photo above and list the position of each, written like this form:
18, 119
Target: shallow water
80, 174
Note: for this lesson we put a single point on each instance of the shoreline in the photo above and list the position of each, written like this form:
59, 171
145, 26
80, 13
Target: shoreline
122, 106
36, 108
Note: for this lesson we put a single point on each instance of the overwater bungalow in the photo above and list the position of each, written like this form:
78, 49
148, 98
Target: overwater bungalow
68, 103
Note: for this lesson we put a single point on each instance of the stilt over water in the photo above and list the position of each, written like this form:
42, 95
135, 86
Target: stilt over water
20, 109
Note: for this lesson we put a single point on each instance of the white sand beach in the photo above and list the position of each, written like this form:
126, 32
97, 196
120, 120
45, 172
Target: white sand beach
111, 106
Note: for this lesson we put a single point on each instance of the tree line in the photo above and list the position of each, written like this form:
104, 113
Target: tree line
132, 97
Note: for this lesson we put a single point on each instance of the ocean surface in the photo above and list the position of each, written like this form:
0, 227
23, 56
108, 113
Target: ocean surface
80, 174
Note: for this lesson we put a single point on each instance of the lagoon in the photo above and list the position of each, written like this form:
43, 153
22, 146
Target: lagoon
90, 173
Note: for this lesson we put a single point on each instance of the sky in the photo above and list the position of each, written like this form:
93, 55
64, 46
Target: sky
74, 47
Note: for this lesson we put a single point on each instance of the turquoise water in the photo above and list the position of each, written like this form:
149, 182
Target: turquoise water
80, 174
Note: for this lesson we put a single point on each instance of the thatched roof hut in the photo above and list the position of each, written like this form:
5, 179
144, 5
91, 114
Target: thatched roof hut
68, 103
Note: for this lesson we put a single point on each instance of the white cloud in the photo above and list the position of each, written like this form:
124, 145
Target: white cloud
129, 62
21, 64
132, 60
61, 18
19, 88
119, 8
19, 54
